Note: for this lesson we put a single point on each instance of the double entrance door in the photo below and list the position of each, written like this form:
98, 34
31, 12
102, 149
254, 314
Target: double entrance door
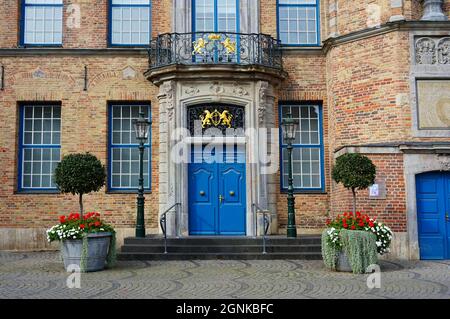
217, 190
433, 214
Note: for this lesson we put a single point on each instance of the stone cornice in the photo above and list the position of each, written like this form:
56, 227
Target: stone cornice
388, 27
396, 148
13, 52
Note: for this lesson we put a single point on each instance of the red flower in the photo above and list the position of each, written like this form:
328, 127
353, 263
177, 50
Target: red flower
97, 224
353, 227
358, 214
82, 226
62, 219
371, 224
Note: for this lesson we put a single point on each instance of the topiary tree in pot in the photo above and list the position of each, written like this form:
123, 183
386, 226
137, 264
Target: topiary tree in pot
354, 171
87, 242
80, 174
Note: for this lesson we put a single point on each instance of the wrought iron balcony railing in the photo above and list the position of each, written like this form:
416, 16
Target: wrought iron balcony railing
221, 48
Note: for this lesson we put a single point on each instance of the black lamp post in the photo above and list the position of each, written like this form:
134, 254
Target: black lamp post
141, 126
289, 126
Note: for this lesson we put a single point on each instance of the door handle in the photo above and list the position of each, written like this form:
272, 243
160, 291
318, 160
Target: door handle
447, 218
221, 198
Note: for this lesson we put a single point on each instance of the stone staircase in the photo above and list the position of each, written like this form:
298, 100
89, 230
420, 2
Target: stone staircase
307, 247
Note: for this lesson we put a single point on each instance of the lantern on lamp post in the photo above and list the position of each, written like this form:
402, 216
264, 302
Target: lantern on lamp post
289, 126
141, 126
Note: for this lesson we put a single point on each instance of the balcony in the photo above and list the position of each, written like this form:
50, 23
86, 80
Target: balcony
214, 54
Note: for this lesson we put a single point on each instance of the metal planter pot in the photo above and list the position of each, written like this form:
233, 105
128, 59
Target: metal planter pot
98, 247
342, 263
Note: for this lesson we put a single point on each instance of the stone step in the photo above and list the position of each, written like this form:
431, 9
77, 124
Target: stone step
221, 248
226, 256
232, 241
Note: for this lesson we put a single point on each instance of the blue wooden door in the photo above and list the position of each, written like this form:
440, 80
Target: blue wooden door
433, 210
217, 196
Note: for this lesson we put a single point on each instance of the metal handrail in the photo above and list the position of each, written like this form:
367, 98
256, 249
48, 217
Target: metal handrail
246, 49
163, 224
266, 224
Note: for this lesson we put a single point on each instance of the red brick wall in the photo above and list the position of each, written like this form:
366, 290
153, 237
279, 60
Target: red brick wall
391, 210
84, 128
93, 31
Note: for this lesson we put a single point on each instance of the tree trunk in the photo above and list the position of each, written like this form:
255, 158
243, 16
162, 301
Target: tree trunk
354, 201
81, 205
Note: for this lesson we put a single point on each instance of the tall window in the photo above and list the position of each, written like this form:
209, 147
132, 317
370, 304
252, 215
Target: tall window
130, 23
298, 22
39, 146
124, 147
42, 22
215, 15
307, 153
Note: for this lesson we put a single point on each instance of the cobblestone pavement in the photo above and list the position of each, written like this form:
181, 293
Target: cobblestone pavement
41, 275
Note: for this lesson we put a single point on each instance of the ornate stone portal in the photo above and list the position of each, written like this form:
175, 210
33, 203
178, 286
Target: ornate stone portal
257, 99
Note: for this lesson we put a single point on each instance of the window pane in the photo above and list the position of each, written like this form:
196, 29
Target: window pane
43, 24
130, 25
298, 24
38, 160
125, 149
306, 161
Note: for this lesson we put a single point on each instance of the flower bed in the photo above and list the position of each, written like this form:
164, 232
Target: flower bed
359, 236
75, 228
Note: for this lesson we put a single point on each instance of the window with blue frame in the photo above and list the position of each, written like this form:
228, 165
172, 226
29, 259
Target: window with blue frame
42, 22
124, 147
130, 22
39, 146
307, 153
298, 22
215, 15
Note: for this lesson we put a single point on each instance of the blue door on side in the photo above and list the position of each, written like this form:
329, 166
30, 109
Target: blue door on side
433, 210
217, 195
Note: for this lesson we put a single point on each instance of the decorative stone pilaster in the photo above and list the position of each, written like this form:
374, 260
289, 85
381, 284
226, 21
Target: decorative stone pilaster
167, 125
432, 11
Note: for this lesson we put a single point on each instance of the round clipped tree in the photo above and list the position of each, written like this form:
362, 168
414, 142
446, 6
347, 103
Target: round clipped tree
354, 171
80, 174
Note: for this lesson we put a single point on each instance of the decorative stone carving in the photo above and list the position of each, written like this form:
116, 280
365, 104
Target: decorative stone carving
191, 91
239, 90
166, 92
425, 51
444, 161
128, 73
38, 74
443, 51
264, 91
216, 88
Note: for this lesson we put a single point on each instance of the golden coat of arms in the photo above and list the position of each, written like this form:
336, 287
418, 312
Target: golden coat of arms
216, 118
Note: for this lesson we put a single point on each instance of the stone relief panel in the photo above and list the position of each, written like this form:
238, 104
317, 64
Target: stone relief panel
432, 50
433, 101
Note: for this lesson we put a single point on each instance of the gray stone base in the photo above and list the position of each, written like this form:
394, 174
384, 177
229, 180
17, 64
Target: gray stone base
31, 239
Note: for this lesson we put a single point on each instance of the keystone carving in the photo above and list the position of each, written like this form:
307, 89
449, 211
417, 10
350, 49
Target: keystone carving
239, 90
38, 74
192, 91
216, 88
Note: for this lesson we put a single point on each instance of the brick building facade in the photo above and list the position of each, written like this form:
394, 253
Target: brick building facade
364, 70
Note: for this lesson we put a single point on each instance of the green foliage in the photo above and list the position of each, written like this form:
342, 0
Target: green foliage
360, 247
112, 253
84, 254
329, 250
80, 174
354, 171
